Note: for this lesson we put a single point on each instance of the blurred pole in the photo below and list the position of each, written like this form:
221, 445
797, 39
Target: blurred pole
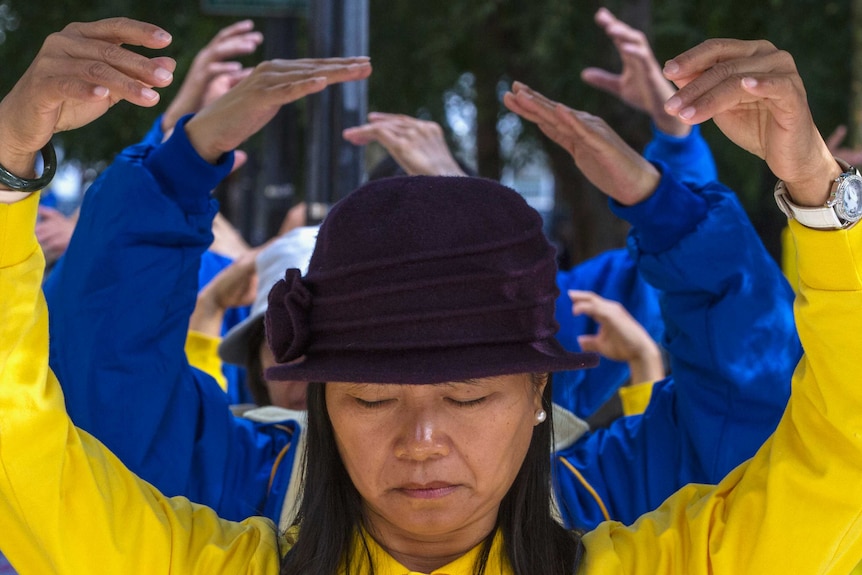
279, 152
337, 28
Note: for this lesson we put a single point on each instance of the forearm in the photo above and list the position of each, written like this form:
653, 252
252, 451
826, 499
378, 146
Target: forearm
729, 330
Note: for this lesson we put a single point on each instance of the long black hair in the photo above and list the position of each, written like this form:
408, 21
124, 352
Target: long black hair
330, 513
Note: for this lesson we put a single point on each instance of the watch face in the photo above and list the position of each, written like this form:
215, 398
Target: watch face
849, 206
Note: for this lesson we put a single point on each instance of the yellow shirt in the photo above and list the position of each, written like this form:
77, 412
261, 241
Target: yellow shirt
202, 353
385, 564
67, 505
635, 398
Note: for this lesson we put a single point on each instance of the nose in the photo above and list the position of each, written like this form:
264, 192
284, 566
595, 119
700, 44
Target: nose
421, 438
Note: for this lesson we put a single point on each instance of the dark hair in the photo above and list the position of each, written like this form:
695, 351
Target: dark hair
330, 512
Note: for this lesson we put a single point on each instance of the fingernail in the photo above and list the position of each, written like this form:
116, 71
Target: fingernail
749, 82
673, 104
100, 91
687, 113
671, 67
162, 75
162, 35
148, 94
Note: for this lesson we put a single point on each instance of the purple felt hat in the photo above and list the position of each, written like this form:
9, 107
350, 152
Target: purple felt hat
421, 279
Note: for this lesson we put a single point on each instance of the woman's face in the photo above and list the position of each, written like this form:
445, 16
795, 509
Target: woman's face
434, 461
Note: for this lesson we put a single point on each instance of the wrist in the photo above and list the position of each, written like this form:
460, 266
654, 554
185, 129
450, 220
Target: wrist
21, 165
13, 164
669, 125
814, 190
196, 132
647, 365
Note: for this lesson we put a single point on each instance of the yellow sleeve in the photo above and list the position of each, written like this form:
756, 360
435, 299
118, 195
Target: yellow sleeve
635, 398
67, 505
795, 507
788, 259
202, 353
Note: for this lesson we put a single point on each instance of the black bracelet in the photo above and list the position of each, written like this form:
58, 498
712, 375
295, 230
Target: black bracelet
13, 182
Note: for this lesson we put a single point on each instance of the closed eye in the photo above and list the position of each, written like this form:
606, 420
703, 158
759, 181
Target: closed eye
371, 404
467, 403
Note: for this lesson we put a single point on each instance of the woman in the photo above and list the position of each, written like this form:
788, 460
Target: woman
434, 442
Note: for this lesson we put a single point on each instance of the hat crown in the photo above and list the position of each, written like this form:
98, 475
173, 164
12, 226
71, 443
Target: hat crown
424, 267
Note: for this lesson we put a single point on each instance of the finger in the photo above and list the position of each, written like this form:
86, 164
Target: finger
603, 80
622, 33
747, 90
332, 72
531, 104
603, 17
217, 68
235, 46
705, 55
589, 343
387, 117
239, 160
92, 81
360, 135
312, 63
836, 137
111, 62
720, 84
122, 31
240, 27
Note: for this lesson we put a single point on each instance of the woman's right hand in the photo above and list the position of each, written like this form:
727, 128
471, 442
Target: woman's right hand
78, 74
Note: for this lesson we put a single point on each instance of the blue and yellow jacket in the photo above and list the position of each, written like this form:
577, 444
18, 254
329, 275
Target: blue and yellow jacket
614, 275
121, 300
790, 509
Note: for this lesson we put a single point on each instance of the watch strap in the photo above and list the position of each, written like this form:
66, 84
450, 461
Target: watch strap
818, 217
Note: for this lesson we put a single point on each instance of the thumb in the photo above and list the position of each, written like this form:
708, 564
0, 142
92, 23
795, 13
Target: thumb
602, 79
588, 342
239, 160
836, 137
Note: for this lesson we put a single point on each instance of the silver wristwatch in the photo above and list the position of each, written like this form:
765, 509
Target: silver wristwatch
842, 210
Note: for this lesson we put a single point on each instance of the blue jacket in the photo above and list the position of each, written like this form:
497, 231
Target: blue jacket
121, 301
614, 275
211, 264
730, 333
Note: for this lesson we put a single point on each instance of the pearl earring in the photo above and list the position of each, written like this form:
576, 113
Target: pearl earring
541, 416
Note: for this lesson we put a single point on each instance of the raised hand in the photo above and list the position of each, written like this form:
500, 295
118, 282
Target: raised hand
213, 71
234, 286
417, 145
603, 157
227, 122
620, 337
640, 84
77, 75
754, 94
851, 155
54, 232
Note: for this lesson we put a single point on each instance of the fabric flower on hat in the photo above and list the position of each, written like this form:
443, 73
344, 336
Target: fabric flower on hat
287, 317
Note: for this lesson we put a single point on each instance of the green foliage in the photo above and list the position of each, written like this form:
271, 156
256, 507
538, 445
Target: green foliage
420, 49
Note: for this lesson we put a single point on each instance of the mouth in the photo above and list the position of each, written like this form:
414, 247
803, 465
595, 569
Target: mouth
433, 490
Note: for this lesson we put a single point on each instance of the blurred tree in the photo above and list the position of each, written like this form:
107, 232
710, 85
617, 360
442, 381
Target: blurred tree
421, 51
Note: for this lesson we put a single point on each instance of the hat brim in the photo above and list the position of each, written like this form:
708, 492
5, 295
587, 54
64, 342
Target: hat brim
234, 345
428, 366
